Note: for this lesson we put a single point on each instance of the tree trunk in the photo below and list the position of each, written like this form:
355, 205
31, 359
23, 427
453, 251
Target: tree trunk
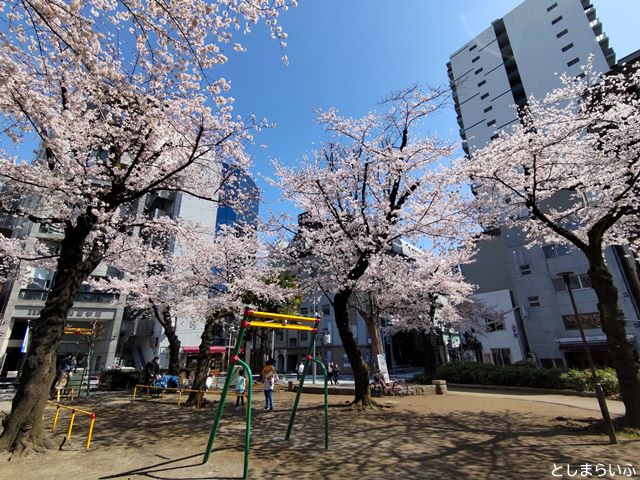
371, 317
430, 361
358, 365
613, 327
23, 426
430, 338
202, 367
166, 322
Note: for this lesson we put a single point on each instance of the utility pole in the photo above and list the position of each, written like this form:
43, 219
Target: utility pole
601, 399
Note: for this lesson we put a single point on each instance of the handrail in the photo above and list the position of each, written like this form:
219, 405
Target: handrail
74, 411
180, 391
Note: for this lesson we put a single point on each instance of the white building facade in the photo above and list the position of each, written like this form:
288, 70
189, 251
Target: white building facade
520, 55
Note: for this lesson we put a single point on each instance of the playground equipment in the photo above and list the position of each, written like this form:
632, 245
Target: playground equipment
270, 320
90, 335
71, 393
74, 411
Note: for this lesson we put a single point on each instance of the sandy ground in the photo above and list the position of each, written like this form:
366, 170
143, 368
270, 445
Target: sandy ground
450, 437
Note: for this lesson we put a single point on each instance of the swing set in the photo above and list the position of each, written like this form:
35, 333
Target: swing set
254, 319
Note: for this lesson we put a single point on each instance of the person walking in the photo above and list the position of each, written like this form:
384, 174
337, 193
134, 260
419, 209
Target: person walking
300, 369
270, 378
240, 388
335, 373
330, 372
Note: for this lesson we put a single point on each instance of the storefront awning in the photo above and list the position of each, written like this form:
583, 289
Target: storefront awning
594, 341
216, 349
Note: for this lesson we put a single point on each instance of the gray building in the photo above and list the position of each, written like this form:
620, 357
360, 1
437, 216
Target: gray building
23, 296
520, 55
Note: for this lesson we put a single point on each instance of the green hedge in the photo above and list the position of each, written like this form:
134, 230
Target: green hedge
581, 380
524, 376
120, 379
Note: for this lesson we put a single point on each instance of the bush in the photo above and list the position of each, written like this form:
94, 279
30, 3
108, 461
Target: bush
523, 375
120, 379
582, 381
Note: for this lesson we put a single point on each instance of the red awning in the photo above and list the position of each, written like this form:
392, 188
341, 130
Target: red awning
216, 349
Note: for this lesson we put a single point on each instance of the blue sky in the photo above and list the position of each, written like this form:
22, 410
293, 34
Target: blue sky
351, 53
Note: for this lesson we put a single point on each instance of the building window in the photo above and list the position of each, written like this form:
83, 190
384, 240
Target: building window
588, 320
492, 122
475, 59
473, 47
534, 301
326, 310
478, 71
493, 137
525, 269
494, 324
576, 282
573, 62
556, 20
562, 33
482, 97
488, 109
304, 311
280, 336
501, 356
567, 47
551, 7
551, 363
303, 336
551, 251
345, 360
293, 342
482, 83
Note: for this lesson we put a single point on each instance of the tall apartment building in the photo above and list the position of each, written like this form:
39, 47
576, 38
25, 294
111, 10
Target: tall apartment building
492, 75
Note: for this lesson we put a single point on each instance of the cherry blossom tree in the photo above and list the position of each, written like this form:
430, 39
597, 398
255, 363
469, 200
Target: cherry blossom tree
377, 182
204, 279
569, 173
415, 292
222, 272
124, 100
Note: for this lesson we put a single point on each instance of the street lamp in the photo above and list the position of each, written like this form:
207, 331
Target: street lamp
601, 400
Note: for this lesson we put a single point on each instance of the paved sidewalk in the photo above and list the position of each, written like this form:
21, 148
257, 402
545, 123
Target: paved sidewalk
616, 407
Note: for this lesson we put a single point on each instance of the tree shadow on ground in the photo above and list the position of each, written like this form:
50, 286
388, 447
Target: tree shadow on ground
385, 443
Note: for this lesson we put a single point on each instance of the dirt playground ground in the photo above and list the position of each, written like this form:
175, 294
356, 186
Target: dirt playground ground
422, 437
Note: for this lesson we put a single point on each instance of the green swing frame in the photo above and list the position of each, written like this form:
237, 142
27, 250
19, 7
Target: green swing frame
256, 319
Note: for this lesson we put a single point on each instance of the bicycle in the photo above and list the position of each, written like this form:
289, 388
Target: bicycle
397, 388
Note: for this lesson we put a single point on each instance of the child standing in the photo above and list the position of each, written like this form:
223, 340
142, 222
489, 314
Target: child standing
240, 387
269, 377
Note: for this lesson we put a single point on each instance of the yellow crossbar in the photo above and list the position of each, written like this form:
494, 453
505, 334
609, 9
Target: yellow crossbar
281, 316
279, 325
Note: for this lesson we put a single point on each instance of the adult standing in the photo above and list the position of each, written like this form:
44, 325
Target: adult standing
270, 378
300, 369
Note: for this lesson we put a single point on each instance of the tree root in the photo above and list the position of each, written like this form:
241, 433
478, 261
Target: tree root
364, 406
